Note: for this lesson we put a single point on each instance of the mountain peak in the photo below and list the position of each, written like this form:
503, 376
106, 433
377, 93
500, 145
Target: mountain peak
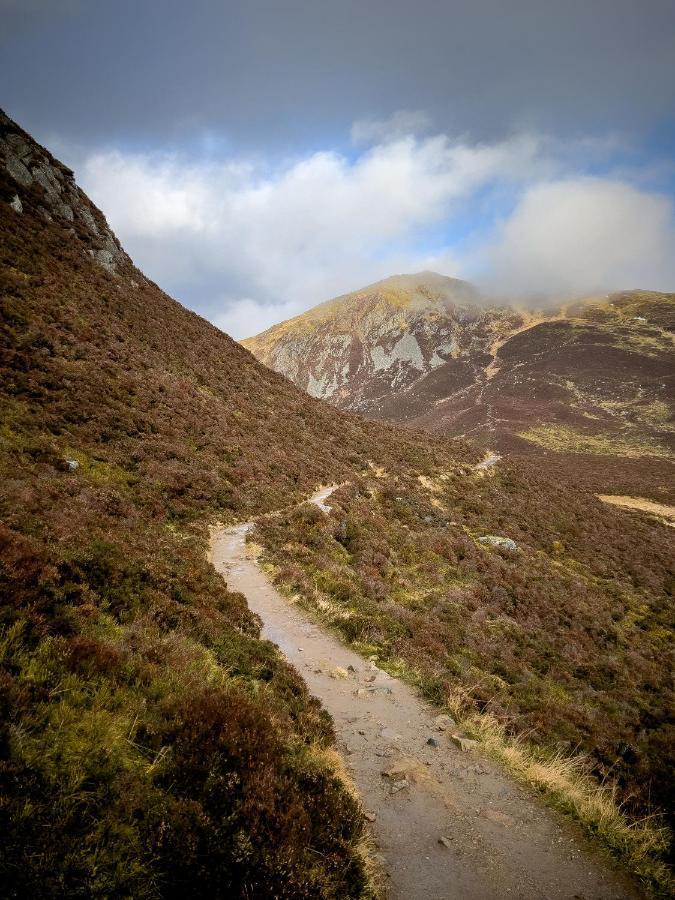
391, 326
430, 350
408, 289
407, 294
425, 279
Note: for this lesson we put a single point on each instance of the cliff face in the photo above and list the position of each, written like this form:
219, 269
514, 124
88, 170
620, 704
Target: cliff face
54, 194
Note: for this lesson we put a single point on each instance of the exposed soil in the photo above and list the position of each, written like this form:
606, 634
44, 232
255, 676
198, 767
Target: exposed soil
666, 513
498, 839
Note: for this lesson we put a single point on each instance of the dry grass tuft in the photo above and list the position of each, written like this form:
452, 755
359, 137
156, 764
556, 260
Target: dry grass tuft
566, 784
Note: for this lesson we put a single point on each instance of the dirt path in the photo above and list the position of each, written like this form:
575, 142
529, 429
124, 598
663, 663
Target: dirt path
499, 842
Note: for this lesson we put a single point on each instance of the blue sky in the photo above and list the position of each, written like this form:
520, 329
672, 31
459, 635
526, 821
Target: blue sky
256, 158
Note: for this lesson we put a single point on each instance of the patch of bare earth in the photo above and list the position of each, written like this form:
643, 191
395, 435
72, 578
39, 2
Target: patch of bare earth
663, 512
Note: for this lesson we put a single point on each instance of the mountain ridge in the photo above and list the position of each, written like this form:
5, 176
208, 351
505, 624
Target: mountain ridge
463, 364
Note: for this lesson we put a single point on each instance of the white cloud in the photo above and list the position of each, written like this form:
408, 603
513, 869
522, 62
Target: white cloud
248, 243
246, 316
238, 240
584, 234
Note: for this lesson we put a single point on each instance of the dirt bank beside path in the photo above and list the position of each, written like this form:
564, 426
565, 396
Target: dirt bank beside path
498, 841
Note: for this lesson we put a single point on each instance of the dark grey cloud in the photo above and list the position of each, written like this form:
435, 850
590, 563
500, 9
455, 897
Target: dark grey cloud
285, 74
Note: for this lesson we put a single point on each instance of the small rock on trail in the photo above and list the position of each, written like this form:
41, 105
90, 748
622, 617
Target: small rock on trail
443, 722
463, 743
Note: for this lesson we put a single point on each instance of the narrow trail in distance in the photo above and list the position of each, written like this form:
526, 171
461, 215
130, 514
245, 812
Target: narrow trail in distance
499, 841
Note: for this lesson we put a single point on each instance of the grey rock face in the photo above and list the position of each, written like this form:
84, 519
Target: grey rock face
105, 259
18, 170
88, 220
494, 540
45, 175
30, 166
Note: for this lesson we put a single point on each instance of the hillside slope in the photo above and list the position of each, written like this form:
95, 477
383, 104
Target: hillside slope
428, 351
150, 744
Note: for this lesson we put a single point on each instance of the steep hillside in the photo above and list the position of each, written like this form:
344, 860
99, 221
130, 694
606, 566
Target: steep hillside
594, 376
150, 744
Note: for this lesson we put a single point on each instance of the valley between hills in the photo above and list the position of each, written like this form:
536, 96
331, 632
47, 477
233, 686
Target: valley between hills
162, 735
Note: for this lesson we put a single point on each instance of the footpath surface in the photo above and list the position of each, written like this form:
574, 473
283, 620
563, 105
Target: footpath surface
448, 823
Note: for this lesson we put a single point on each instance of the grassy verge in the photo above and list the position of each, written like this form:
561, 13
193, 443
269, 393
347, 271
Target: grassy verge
563, 781
365, 850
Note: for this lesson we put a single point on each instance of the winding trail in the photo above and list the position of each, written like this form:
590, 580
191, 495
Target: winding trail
499, 841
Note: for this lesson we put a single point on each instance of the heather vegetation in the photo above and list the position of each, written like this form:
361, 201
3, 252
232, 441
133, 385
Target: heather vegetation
560, 645
150, 744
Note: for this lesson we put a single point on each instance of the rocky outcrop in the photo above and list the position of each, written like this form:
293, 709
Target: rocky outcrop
495, 540
40, 183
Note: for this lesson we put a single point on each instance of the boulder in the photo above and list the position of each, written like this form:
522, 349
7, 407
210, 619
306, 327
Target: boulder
494, 540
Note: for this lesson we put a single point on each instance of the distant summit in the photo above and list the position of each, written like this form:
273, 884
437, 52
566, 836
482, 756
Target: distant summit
432, 352
356, 348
